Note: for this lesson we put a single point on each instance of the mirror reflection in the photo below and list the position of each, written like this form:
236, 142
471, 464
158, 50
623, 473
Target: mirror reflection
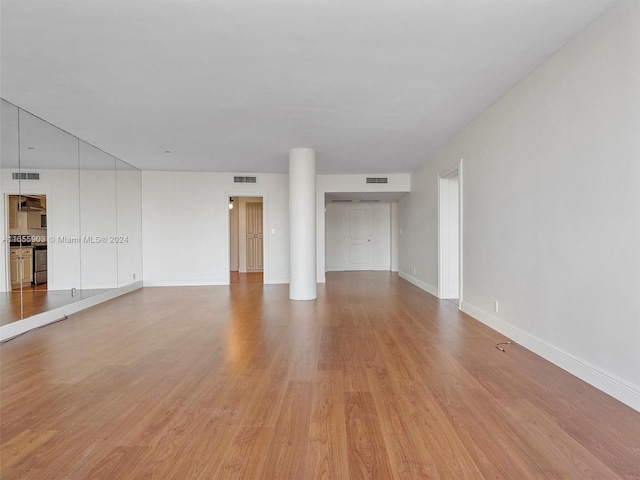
128, 223
71, 218
11, 299
98, 249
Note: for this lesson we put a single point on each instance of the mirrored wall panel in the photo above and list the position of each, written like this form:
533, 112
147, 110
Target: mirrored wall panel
98, 249
10, 264
71, 218
128, 223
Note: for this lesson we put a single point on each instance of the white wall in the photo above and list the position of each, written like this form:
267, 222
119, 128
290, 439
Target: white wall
186, 226
398, 182
334, 237
551, 208
381, 236
171, 224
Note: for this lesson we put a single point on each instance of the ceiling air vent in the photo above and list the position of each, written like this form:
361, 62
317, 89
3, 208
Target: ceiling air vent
340, 201
244, 179
368, 201
26, 176
377, 180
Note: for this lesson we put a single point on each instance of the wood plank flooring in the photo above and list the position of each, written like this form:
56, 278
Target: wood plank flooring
246, 277
375, 379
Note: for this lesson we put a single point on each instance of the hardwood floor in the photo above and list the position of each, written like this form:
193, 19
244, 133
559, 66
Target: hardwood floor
248, 277
375, 379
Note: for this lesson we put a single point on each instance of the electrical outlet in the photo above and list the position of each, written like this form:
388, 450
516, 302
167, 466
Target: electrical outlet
495, 305
414, 270
134, 276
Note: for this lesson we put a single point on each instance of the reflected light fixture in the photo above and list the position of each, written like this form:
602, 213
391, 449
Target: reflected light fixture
230, 203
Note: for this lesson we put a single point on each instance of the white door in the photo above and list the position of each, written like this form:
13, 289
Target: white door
359, 238
254, 236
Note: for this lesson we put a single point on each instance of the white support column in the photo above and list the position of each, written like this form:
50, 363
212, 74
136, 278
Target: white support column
302, 224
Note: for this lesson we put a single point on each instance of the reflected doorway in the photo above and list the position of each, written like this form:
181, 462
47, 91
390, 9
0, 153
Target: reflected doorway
27, 268
246, 240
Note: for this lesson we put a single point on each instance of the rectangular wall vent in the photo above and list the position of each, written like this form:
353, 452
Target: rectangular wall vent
244, 179
377, 180
26, 176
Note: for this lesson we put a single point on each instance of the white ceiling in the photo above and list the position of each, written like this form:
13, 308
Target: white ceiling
232, 85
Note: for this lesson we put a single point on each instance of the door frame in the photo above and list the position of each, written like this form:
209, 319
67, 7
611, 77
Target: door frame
443, 215
265, 230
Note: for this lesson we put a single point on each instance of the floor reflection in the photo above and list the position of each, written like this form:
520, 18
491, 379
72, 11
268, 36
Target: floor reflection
37, 299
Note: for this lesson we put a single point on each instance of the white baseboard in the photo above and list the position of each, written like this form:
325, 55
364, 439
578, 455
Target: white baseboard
619, 389
375, 268
183, 283
36, 321
204, 283
419, 283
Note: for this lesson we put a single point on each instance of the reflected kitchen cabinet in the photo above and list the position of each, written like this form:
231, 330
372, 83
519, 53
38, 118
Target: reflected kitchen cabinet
36, 220
21, 266
13, 211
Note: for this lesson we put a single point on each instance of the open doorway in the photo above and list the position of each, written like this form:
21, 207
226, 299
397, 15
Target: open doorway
449, 232
246, 240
